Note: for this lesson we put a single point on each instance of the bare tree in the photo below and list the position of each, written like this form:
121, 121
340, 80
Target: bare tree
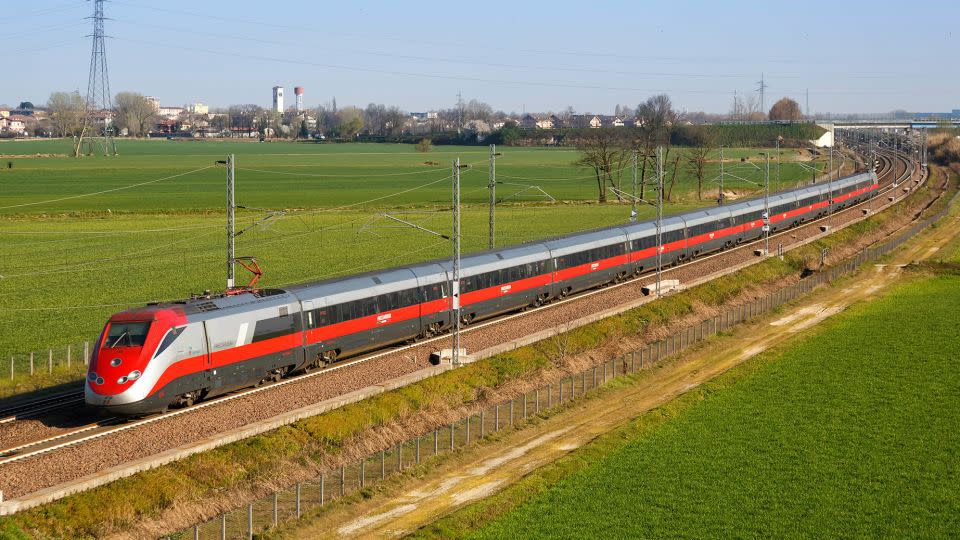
697, 159
133, 112
67, 111
602, 151
786, 109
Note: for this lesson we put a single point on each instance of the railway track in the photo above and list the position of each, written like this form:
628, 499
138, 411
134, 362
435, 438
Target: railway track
894, 169
41, 405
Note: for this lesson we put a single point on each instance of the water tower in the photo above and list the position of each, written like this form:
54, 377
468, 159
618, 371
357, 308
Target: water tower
278, 99
298, 90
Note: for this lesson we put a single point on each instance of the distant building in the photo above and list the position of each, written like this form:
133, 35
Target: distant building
14, 123
198, 108
154, 101
585, 121
169, 112
278, 99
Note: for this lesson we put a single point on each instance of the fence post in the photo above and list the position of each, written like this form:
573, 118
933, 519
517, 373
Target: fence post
451, 435
276, 497
343, 479
550, 395
468, 429
400, 457
496, 418
604, 379
594, 376
298, 500
50, 360
561, 391
482, 427
436, 441
524, 405
223, 526
31, 363
511, 413
322, 485
196, 532
363, 473
536, 395
68, 355
418, 450
86, 353
11, 367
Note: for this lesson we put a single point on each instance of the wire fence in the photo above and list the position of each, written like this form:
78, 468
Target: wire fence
64, 360
336, 483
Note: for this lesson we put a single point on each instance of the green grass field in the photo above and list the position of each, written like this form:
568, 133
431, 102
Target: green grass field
852, 432
72, 260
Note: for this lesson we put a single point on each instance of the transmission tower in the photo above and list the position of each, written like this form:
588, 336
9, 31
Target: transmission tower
99, 102
761, 88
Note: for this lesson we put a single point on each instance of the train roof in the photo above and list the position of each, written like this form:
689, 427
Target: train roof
578, 242
708, 215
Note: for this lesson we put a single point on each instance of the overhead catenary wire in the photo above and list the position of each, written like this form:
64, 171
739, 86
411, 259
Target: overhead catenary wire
110, 190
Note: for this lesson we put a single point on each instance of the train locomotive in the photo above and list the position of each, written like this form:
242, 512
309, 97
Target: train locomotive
169, 354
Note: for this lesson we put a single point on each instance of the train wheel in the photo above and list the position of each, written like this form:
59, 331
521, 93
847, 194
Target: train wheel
329, 357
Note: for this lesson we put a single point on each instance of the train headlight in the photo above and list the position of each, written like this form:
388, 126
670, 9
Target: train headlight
115, 362
134, 375
122, 380
92, 377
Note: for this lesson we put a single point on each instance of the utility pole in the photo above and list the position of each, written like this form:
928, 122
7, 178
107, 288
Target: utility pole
830, 190
492, 186
766, 206
455, 284
779, 138
720, 196
231, 230
659, 218
808, 103
633, 211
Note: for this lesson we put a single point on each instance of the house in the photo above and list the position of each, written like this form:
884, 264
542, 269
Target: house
16, 123
611, 121
585, 121
4, 113
529, 121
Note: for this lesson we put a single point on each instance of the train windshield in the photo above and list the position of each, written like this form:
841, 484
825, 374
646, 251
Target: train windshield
126, 334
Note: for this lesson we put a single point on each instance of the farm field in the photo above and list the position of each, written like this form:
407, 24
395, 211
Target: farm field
849, 432
70, 262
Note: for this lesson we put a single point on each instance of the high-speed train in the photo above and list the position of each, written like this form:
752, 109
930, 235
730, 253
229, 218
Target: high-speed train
175, 353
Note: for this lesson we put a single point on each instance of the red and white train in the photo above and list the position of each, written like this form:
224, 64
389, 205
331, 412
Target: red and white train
175, 353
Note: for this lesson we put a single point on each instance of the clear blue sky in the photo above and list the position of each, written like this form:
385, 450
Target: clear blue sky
853, 56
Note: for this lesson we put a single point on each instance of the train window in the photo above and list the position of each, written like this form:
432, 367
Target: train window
672, 236
126, 334
645, 243
271, 328
168, 339
432, 292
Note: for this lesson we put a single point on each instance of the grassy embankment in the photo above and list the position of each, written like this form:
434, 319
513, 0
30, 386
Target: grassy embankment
848, 431
234, 471
69, 264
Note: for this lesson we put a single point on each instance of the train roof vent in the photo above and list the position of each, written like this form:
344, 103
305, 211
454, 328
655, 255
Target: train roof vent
376, 280
207, 306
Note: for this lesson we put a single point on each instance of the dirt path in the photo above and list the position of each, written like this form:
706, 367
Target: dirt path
486, 469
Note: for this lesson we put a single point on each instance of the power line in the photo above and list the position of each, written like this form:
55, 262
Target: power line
111, 190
